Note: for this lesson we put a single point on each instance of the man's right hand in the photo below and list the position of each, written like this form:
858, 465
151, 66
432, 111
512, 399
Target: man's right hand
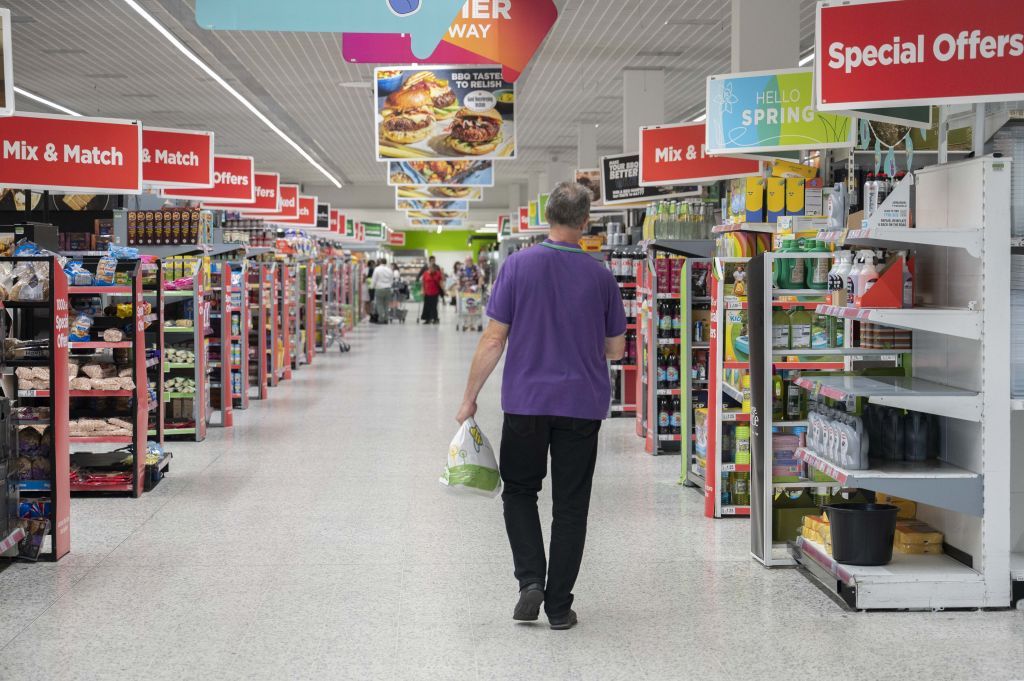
467, 410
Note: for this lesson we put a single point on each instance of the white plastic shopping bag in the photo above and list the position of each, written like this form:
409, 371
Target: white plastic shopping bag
471, 465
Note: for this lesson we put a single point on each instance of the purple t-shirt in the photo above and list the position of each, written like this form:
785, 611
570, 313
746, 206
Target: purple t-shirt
560, 306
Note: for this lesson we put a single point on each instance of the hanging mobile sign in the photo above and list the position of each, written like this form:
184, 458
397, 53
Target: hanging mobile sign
768, 111
434, 214
446, 113
360, 232
307, 214
525, 227
6, 65
177, 158
620, 183
323, 215
441, 204
434, 173
506, 32
505, 225
336, 221
233, 182
674, 154
542, 208
883, 53
534, 217
434, 224
373, 230
396, 238
70, 153
267, 193
350, 228
445, 192
288, 202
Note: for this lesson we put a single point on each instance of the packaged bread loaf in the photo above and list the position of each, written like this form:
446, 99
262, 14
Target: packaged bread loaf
113, 335
81, 383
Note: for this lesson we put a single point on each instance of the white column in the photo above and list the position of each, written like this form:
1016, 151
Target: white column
765, 34
643, 103
586, 152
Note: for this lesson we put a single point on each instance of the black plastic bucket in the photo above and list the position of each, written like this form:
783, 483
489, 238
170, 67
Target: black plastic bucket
862, 534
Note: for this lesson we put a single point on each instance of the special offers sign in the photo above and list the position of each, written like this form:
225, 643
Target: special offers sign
233, 182
70, 153
676, 154
886, 53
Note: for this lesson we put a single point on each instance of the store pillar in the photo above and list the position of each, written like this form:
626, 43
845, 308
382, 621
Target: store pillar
643, 103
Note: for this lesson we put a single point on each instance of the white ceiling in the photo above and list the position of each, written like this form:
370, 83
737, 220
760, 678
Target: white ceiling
100, 58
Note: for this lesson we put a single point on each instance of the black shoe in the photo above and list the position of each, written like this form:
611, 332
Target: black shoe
566, 621
528, 607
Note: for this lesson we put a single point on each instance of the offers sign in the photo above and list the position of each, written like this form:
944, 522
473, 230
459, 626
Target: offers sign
267, 193
69, 153
233, 182
675, 154
396, 238
335, 222
288, 202
306, 214
177, 158
884, 53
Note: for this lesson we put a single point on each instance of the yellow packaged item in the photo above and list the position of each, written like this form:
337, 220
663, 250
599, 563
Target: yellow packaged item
908, 508
917, 532
808, 533
918, 549
754, 199
776, 202
782, 168
794, 196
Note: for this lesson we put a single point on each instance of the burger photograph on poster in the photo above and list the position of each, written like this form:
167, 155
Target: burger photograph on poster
446, 192
432, 173
447, 113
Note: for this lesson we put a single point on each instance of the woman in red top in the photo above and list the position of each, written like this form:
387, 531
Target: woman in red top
433, 284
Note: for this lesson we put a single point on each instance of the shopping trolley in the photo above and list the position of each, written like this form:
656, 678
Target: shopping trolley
399, 298
469, 311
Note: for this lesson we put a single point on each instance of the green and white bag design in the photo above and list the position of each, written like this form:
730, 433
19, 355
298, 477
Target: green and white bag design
471, 465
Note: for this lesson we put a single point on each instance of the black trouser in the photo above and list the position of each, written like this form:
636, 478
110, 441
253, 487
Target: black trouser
430, 308
524, 459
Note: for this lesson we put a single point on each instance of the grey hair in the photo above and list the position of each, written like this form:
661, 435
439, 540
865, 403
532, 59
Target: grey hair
568, 205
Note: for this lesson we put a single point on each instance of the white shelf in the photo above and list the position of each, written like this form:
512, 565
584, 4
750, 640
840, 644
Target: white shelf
967, 239
950, 321
809, 292
841, 352
935, 483
902, 392
762, 227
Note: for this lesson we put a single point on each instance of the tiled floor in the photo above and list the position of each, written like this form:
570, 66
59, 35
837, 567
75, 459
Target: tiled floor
313, 541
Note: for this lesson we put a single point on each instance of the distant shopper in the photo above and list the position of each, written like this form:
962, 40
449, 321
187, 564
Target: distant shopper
383, 279
469, 279
452, 284
433, 282
423, 270
560, 312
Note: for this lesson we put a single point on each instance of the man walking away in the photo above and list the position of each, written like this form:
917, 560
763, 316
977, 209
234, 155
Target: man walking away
561, 313
433, 280
383, 279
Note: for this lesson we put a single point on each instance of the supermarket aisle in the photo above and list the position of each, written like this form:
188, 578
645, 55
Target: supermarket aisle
313, 541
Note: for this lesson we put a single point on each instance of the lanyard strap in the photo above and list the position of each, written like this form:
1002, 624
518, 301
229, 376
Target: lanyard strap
559, 247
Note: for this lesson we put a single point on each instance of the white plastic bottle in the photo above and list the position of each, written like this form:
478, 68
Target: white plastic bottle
866, 277
851, 278
837, 277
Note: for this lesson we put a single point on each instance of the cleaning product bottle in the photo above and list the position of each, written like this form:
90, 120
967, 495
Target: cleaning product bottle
800, 329
918, 437
908, 282
778, 398
853, 277
867, 276
884, 188
822, 332
798, 270
783, 266
781, 332
837, 277
870, 194
817, 268
795, 403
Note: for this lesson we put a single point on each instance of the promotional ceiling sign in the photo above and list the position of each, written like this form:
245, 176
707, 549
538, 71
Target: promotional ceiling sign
454, 113
233, 182
872, 54
177, 158
373, 230
532, 213
506, 32
620, 183
396, 238
675, 154
434, 173
591, 179
336, 221
525, 227
436, 224
323, 215
423, 204
6, 65
350, 228
426, 21
307, 214
267, 193
449, 192
70, 153
287, 200
767, 111
505, 225
437, 214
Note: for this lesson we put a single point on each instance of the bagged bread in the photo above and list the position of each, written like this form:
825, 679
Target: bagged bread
124, 372
127, 383
41, 373
72, 368
120, 423
24, 373
106, 383
113, 335
81, 383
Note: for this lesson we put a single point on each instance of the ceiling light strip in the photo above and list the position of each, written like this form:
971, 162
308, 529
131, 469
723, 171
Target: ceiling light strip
232, 91
45, 102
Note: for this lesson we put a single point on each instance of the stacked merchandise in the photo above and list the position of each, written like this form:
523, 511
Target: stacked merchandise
688, 219
168, 227
185, 312
249, 231
623, 265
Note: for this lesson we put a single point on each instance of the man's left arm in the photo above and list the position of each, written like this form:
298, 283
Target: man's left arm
488, 353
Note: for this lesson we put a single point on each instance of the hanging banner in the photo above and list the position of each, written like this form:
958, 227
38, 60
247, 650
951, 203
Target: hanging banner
768, 111
591, 179
373, 230
884, 54
421, 204
426, 21
350, 228
267, 193
336, 221
620, 183
437, 224
177, 158
323, 215
448, 192
307, 214
396, 238
437, 214
506, 32
233, 182
674, 154
525, 225
433, 173
542, 208
6, 65
505, 225
70, 153
288, 200
444, 114
533, 215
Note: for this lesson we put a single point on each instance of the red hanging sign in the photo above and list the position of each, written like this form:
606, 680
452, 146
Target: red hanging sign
233, 182
360, 232
267, 193
288, 199
337, 222
307, 214
524, 219
881, 53
70, 153
396, 238
674, 154
177, 158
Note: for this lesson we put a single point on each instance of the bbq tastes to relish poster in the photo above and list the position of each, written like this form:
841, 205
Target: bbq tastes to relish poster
444, 113
433, 173
445, 192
